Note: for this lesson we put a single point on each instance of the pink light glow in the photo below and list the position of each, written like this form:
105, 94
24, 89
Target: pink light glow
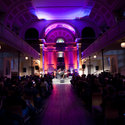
61, 25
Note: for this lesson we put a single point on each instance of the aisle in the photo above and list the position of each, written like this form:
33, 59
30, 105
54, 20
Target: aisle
64, 108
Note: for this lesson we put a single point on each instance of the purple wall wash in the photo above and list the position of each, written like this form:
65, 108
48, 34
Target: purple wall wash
61, 9
78, 25
19, 13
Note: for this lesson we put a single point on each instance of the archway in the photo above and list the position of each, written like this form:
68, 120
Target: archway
32, 38
88, 36
60, 47
31, 34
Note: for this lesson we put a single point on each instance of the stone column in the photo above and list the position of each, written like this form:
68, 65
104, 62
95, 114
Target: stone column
18, 63
51, 58
89, 66
79, 56
32, 68
102, 60
41, 57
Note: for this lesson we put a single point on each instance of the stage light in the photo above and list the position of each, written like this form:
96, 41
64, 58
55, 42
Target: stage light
0, 47
123, 44
94, 56
80, 72
26, 58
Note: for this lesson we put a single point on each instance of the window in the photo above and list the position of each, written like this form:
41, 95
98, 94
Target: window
60, 54
60, 40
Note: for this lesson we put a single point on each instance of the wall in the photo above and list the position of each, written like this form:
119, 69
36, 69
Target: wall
13, 57
1, 64
25, 66
97, 62
120, 55
79, 25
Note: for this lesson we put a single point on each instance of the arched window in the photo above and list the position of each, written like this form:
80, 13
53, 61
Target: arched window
31, 34
60, 54
88, 37
32, 38
88, 32
60, 40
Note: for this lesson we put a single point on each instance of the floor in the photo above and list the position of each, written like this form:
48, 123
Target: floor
64, 108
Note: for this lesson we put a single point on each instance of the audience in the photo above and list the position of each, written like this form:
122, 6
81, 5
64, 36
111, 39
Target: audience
103, 94
22, 97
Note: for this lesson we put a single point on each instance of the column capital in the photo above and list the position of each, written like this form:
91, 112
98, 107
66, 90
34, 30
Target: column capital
42, 41
41, 46
79, 45
78, 40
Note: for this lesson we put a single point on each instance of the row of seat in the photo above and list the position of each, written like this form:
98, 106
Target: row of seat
21, 99
103, 96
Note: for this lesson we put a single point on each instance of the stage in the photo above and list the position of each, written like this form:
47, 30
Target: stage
62, 80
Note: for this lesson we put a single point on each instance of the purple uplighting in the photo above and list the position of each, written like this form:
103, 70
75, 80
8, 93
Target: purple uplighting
53, 10
62, 62
68, 13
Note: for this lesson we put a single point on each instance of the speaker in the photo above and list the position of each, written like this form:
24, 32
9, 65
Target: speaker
37, 67
83, 66
24, 69
97, 67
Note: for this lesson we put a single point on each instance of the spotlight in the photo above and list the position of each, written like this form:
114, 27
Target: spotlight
26, 58
80, 72
123, 44
94, 56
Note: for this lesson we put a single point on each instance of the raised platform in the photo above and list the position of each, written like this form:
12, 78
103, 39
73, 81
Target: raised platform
62, 80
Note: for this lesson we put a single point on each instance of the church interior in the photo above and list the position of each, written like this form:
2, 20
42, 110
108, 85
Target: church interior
62, 62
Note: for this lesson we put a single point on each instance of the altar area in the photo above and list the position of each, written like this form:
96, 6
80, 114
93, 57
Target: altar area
62, 80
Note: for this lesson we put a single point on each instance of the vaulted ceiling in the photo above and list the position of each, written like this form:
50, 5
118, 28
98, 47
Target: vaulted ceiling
17, 13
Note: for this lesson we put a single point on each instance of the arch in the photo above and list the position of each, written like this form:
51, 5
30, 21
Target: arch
60, 40
31, 34
88, 37
17, 9
88, 32
59, 25
65, 34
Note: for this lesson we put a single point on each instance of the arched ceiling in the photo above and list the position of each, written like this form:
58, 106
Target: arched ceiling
17, 13
67, 35
60, 25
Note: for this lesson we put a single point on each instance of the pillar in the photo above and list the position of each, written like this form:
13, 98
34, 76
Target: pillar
41, 57
66, 60
18, 63
89, 66
79, 56
75, 58
50, 63
102, 60
69, 64
45, 60
32, 68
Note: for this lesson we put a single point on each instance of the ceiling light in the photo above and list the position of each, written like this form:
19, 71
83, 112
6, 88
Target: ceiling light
94, 56
123, 44
26, 58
